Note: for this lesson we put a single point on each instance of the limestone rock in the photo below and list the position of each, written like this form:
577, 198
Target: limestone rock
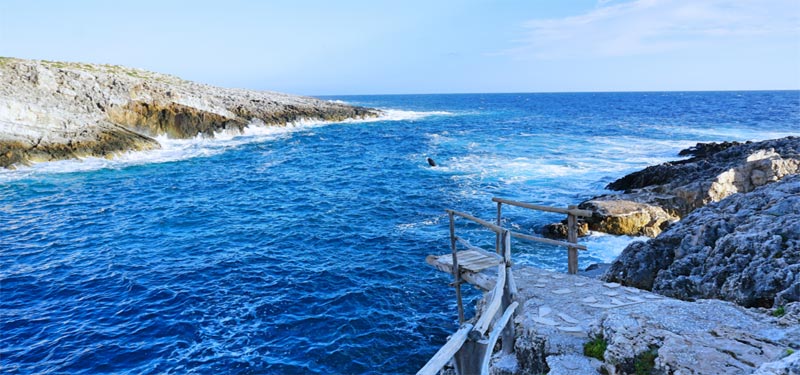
640, 329
560, 230
704, 337
659, 195
745, 249
53, 110
625, 217
789, 365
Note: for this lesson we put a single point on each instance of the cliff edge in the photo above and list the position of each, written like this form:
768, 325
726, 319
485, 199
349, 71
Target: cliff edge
55, 110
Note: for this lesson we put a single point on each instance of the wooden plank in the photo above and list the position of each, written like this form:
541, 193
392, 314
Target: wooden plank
494, 305
485, 223
446, 352
496, 330
472, 247
572, 211
547, 241
484, 280
471, 260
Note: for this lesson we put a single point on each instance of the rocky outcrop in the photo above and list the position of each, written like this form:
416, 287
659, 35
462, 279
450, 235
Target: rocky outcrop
789, 365
704, 337
569, 324
53, 110
654, 198
744, 248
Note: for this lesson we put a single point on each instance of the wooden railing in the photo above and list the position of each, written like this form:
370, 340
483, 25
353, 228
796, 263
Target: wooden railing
469, 347
572, 213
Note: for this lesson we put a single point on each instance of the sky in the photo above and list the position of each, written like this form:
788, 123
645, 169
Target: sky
321, 47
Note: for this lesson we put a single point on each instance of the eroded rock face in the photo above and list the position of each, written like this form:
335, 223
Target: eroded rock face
626, 217
53, 110
744, 249
658, 196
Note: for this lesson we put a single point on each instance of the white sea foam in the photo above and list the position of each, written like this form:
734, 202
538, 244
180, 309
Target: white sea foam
605, 247
711, 134
200, 146
602, 248
603, 156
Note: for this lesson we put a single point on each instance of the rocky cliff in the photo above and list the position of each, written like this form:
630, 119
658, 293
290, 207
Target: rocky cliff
744, 248
660, 195
54, 110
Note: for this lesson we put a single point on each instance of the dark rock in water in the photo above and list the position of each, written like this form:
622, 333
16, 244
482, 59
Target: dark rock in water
431, 162
744, 249
702, 150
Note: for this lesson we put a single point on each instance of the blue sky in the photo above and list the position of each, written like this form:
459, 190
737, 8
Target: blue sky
383, 47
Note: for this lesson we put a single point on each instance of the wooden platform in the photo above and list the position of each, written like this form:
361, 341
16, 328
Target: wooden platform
475, 266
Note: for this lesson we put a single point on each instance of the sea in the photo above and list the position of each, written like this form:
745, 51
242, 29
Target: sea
301, 249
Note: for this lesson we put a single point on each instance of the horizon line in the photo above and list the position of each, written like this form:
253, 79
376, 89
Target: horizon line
556, 92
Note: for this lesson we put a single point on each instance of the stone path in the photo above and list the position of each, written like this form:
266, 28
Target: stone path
571, 303
559, 313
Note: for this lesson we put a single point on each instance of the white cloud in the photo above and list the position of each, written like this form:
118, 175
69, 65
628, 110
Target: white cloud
640, 27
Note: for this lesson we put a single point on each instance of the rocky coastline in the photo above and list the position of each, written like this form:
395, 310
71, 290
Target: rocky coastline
715, 291
55, 110
744, 249
652, 199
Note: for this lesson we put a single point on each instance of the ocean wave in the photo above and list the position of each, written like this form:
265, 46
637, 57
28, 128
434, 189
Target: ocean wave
200, 146
605, 248
604, 156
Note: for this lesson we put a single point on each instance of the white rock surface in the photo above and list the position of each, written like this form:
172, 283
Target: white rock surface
54, 110
704, 337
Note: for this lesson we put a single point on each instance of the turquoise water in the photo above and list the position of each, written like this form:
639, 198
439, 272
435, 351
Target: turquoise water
301, 250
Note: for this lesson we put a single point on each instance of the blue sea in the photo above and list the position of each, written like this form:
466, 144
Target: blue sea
300, 250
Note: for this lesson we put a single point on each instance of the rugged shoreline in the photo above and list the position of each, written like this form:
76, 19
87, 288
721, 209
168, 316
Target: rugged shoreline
725, 257
54, 110
652, 199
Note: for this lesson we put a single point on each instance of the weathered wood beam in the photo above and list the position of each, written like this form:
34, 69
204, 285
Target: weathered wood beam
496, 330
483, 280
494, 305
547, 241
446, 352
570, 211
488, 225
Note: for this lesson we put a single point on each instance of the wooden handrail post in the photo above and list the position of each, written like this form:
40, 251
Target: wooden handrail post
499, 217
572, 237
509, 293
456, 270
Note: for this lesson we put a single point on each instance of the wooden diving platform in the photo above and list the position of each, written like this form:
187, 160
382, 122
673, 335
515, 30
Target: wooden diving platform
477, 268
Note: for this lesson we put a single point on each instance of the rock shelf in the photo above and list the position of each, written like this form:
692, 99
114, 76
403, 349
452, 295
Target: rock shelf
560, 313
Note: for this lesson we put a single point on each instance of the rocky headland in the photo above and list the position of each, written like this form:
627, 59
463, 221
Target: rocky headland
652, 199
55, 110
